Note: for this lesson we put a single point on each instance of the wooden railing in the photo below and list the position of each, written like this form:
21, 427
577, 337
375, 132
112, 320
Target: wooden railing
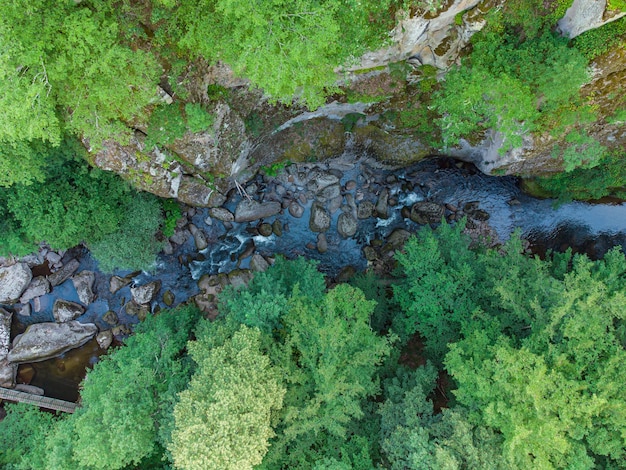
37, 400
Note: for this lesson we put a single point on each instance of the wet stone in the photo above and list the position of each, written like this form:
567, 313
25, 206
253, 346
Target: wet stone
38, 286
117, 283
104, 339
83, 283
144, 294
322, 243
258, 263
64, 273
369, 253
365, 210
13, 281
425, 212
110, 318
265, 229
199, 237
346, 225
168, 298
382, 208
296, 210
277, 228
320, 218
64, 310
350, 185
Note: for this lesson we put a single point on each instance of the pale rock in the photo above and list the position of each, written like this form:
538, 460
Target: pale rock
199, 237
43, 341
258, 263
83, 283
63, 274
38, 286
104, 339
64, 310
29, 389
117, 283
144, 294
13, 281
248, 210
320, 218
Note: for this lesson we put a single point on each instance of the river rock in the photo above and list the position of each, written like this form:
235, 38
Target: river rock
365, 210
322, 243
180, 236
199, 237
104, 339
38, 286
83, 282
134, 309
346, 224
425, 212
43, 341
63, 274
277, 228
395, 241
296, 210
265, 229
220, 213
168, 298
25, 310
258, 263
334, 204
382, 205
110, 318
117, 283
330, 192
319, 180
64, 310
5, 332
13, 281
320, 218
8, 372
248, 210
144, 294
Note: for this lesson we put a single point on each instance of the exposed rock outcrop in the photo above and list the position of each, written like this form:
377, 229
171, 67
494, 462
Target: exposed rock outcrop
7, 370
584, 15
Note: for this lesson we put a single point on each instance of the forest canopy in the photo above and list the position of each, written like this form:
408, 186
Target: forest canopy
522, 368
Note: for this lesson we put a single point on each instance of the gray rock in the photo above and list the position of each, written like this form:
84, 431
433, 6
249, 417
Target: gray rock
13, 281
322, 243
168, 249
43, 341
5, 332
330, 192
425, 212
64, 273
83, 282
334, 204
53, 257
382, 209
351, 185
396, 240
8, 372
220, 213
319, 179
134, 309
117, 283
38, 286
144, 294
584, 15
199, 237
104, 339
25, 310
239, 277
346, 225
320, 218
365, 210
64, 310
180, 236
249, 210
258, 263
296, 210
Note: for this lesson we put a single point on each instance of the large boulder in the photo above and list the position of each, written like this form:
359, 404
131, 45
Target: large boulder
584, 15
346, 225
43, 341
425, 212
83, 283
64, 310
143, 295
320, 218
13, 281
249, 209
63, 274
38, 286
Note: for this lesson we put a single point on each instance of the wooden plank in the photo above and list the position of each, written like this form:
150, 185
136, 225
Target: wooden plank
37, 400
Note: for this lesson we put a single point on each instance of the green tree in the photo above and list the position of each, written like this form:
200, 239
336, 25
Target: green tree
128, 397
223, 420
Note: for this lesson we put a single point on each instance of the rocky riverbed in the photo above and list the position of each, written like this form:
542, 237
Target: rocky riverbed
348, 213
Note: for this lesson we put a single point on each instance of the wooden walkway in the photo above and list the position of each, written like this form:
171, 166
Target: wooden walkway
37, 400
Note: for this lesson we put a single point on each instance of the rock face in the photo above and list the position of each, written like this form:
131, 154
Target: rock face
43, 341
38, 286
83, 282
248, 210
144, 294
64, 310
13, 281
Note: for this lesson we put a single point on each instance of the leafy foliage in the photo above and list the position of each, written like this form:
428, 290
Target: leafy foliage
223, 420
121, 420
581, 151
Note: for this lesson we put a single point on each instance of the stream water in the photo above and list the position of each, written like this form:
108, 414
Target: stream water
586, 227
